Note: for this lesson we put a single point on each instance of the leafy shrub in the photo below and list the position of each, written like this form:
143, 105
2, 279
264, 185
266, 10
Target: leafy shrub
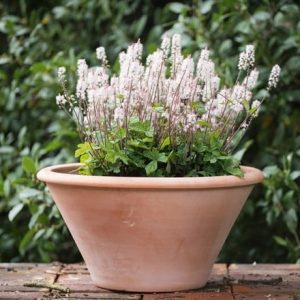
35, 40
274, 29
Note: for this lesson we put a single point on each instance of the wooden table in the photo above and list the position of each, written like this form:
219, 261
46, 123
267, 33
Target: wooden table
59, 281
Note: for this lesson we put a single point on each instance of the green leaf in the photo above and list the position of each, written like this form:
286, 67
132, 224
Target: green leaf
199, 108
153, 154
86, 158
206, 6
28, 165
54, 145
82, 149
27, 239
115, 169
136, 160
123, 157
29, 193
176, 7
121, 133
33, 207
6, 149
232, 167
288, 197
280, 241
15, 211
203, 123
137, 144
295, 175
158, 108
111, 156
237, 172
166, 142
261, 16
38, 219
140, 25
291, 219
39, 68
162, 157
270, 170
39, 234
135, 125
239, 154
151, 167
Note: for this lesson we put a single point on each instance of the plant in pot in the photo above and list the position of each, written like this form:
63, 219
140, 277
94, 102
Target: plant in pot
157, 189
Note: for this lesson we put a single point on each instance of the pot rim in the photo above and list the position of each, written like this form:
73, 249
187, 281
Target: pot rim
60, 174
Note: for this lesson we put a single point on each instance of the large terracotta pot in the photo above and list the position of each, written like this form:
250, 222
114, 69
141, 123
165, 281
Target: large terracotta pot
148, 234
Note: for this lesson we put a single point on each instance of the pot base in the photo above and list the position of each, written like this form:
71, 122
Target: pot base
153, 289
149, 283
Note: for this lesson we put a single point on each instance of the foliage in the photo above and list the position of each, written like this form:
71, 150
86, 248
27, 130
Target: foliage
144, 157
283, 196
37, 37
274, 29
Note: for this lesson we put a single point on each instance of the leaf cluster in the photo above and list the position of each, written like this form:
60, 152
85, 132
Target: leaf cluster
138, 152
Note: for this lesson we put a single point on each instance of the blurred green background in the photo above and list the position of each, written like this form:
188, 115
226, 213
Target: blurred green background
36, 37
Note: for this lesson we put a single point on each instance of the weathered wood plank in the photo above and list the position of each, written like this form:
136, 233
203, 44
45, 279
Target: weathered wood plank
219, 274
105, 296
264, 297
265, 280
270, 282
216, 288
218, 283
23, 295
13, 277
79, 268
77, 278
197, 295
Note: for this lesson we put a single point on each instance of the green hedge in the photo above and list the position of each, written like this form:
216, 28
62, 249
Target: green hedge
37, 37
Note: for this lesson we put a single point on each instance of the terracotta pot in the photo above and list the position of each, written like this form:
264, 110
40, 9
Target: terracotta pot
148, 234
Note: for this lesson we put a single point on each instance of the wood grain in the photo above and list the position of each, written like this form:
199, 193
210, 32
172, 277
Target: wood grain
261, 281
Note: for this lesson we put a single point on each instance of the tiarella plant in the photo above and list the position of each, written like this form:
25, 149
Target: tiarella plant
167, 117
